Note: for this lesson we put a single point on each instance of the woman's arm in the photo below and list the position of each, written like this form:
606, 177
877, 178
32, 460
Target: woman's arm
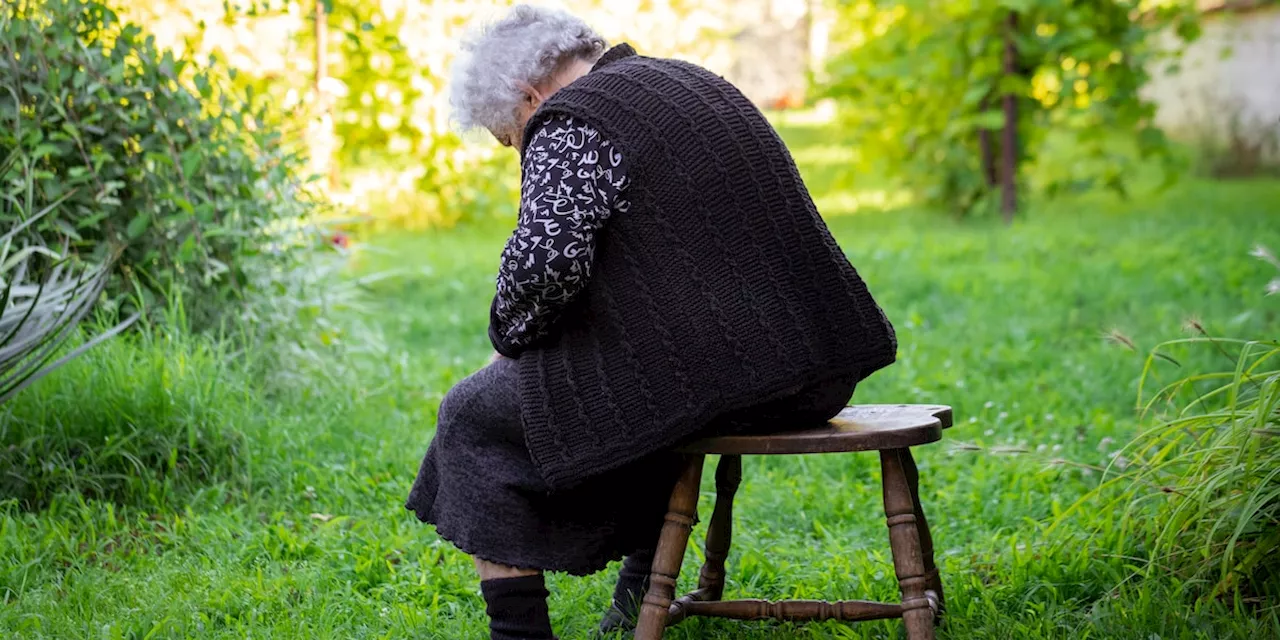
572, 183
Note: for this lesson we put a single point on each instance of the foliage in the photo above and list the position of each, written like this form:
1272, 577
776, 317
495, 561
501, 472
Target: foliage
1202, 486
316, 321
391, 112
38, 316
376, 118
161, 169
307, 537
923, 79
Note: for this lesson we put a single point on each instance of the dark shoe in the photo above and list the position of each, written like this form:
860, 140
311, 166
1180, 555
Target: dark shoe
633, 581
616, 622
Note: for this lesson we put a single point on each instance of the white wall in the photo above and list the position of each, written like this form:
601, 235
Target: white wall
1210, 88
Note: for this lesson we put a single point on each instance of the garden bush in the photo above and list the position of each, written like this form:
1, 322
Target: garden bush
152, 156
116, 154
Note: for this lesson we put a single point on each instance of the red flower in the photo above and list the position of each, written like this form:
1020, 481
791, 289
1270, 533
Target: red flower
340, 240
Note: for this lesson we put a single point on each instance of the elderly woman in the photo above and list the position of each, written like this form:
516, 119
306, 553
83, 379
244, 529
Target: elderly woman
668, 278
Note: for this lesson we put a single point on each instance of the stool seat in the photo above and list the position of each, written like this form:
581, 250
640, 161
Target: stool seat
867, 427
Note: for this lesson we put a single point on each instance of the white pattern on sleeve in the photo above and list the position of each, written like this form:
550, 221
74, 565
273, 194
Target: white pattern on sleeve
572, 183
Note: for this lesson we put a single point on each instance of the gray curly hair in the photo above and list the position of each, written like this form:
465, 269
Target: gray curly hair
527, 45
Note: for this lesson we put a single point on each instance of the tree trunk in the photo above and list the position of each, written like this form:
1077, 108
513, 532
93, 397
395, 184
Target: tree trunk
988, 153
1009, 143
323, 108
809, 62
322, 44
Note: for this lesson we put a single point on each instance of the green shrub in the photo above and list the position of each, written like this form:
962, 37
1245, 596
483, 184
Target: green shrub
924, 83
129, 421
1199, 491
156, 158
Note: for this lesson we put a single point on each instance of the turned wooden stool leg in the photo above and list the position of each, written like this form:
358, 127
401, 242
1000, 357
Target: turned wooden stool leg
904, 539
720, 531
681, 512
931, 574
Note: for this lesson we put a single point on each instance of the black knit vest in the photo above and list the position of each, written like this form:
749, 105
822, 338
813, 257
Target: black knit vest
719, 288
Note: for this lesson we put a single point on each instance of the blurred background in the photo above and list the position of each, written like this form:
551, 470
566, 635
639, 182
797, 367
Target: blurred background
363, 85
917, 85
244, 255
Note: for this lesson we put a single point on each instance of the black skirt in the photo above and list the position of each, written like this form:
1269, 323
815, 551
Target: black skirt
480, 488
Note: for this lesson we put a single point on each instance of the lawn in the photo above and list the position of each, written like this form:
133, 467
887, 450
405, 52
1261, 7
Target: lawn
286, 521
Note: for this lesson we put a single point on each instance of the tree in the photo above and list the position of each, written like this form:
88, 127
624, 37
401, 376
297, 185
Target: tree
928, 82
366, 86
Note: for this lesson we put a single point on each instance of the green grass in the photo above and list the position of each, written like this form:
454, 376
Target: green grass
300, 533
141, 418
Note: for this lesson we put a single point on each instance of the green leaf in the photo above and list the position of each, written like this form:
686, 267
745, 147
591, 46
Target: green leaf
187, 250
91, 220
166, 65
1151, 140
138, 226
1020, 6
204, 212
190, 162
1188, 29
203, 86
990, 119
159, 158
67, 230
1016, 85
974, 95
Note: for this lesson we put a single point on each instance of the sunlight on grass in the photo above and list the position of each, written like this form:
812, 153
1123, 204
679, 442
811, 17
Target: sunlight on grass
840, 203
826, 156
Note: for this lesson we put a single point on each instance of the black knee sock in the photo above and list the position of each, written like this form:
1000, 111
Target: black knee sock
517, 608
633, 580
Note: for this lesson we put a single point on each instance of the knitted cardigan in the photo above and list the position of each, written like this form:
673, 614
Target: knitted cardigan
720, 288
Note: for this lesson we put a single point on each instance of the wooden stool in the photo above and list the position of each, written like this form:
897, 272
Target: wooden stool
890, 429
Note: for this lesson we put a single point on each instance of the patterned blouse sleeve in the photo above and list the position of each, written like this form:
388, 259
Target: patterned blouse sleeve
572, 182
